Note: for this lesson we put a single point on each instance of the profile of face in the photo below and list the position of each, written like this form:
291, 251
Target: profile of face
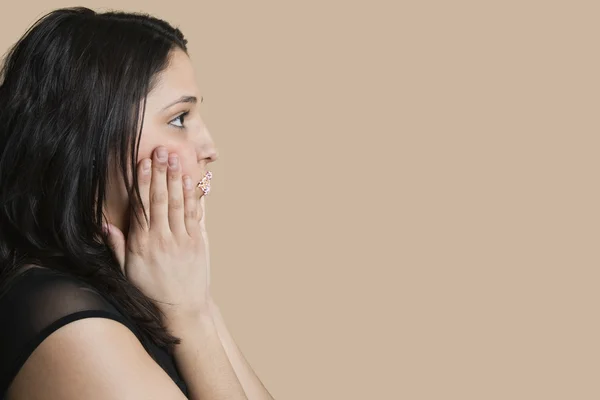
171, 119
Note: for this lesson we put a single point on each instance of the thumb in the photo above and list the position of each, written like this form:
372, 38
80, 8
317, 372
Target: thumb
205, 237
203, 217
116, 241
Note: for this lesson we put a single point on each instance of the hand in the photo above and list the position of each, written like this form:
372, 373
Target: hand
167, 258
205, 237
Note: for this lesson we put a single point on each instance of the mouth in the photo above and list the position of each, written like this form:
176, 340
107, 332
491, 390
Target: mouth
204, 183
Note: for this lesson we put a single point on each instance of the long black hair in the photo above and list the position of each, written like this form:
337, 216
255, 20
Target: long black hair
70, 97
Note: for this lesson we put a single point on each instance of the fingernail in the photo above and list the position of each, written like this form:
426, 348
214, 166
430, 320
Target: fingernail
173, 161
146, 166
187, 181
162, 154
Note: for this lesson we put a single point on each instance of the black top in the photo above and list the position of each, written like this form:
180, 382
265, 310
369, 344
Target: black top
39, 301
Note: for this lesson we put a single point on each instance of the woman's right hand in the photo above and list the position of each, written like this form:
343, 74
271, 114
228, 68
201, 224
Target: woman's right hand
167, 257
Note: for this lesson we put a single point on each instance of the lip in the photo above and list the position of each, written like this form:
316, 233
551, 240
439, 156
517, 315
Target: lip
204, 183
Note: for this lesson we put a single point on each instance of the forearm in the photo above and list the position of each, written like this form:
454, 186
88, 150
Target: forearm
203, 362
252, 385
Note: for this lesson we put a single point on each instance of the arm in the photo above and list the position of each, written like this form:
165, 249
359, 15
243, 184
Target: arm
202, 361
253, 387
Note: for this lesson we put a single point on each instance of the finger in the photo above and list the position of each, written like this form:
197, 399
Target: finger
159, 195
138, 222
202, 213
204, 235
175, 189
116, 241
190, 199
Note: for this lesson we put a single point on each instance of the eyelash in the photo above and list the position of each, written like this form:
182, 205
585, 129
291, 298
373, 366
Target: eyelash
180, 116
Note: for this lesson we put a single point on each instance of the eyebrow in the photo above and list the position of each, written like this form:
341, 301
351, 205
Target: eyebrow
185, 99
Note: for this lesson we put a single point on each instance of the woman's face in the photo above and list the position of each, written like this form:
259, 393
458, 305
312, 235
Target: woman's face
165, 125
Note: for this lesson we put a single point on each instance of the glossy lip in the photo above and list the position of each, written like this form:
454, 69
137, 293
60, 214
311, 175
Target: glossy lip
205, 181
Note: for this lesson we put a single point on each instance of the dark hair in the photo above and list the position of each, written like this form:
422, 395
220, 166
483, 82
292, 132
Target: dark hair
70, 99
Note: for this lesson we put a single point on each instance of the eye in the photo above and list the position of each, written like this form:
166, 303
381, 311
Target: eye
179, 118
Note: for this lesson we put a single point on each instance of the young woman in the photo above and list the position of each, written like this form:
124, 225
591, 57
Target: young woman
104, 267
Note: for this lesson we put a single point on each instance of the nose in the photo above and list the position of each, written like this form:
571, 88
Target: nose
210, 155
206, 150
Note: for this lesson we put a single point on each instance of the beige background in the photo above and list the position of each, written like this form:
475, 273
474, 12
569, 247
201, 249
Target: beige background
406, 203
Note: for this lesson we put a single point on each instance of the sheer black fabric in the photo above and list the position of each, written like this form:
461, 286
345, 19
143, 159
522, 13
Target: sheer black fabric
38, 301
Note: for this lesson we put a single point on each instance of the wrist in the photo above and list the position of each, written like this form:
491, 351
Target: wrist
181, 322
212, 306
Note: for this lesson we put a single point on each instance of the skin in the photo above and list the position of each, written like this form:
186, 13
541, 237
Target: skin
192, 145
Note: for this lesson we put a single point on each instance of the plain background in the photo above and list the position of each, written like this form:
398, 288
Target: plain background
406, 200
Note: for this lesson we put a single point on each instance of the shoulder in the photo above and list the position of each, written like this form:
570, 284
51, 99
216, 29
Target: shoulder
92, 358
64, 340
40, 298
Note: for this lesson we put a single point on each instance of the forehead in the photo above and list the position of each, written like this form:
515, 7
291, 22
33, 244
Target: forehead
178, 79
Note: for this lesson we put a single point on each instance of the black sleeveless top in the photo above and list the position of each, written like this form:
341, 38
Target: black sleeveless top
40, 300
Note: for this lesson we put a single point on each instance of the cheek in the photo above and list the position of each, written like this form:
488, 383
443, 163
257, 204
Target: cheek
146, 150
152, 137
183, 148
189, 164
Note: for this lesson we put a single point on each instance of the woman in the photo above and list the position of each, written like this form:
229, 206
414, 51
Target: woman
104, 270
